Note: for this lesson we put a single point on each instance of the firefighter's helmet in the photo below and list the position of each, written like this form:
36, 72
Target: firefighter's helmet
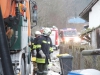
37, 33
46, 31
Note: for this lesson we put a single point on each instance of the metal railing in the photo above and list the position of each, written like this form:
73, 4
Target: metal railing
91, 58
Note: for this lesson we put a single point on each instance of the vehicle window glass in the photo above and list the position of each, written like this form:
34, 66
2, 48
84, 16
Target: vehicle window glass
70, 33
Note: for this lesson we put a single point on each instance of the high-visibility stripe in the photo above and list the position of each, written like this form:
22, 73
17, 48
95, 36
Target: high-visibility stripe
51, 49
38, 46
40, 60
44, 41
48, 42
32, 43
34, 46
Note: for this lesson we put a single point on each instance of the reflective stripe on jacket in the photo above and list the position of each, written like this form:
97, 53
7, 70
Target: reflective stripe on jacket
40, 60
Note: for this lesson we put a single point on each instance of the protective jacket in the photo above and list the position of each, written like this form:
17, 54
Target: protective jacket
44, 43
32, 43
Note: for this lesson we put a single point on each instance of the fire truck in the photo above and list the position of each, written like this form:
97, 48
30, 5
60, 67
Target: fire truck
70, 37
55, 37
15, 33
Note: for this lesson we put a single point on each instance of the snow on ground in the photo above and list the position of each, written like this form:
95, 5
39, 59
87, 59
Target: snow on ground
53, 73
54, 66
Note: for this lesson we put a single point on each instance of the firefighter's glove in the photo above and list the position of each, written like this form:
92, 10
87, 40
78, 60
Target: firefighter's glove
42, 54
51, 50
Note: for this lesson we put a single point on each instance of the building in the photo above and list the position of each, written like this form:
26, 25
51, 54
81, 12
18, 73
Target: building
92, 15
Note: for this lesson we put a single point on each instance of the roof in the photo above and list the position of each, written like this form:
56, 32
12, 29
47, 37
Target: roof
85, 13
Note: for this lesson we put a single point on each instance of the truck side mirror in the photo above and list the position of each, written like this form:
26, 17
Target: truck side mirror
34, 13
34, 10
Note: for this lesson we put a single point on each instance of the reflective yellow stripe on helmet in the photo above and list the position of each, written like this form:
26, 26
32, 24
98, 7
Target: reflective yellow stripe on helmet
51, 49
40, 60
38, 46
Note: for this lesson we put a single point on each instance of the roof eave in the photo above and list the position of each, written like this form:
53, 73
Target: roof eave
85, 13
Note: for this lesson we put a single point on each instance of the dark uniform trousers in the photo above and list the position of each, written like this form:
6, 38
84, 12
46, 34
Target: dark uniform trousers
42, 69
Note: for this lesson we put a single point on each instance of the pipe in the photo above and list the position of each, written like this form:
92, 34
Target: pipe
91, 52
4, 50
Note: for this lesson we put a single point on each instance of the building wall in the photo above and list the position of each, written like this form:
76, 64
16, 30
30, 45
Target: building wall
94, 21
94, 15
93, 39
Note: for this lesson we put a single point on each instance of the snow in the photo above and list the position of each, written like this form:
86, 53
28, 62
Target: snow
54, 65
53, 73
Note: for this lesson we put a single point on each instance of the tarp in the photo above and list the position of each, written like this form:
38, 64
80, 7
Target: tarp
85, 72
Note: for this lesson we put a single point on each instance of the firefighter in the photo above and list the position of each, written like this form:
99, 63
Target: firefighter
44, 44
33, 51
